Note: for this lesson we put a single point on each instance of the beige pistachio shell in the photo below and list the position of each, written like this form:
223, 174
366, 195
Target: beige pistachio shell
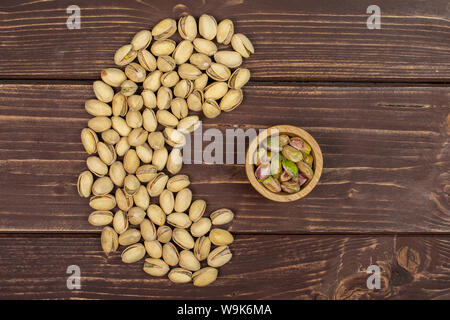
225, 31
242, 44
141, 40
146, 60
124, 55
187, 27
207, 26
164, 29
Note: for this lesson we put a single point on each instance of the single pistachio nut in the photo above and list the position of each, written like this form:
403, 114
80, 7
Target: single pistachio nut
187, 27
232, 99
179, 220
216, 90
84, 184
102, 203
163, 98
156, 214
164, 29
275, 165
166, 201
200, 60
300, 144
219, 256
110, 136
177, 183
160, 157
188, 124
285, 176
204, 277
170, 254
144, 152
174, 161
183, 88
197, 210
204, 46
137, 137
89, 140
133, 253
153, 248
183, 238
146, 60
141, 198
128, 88
141, 40
149, 121
102, 91
211, 109
202, 248
97, 108
189, 71
218, 72
242, 44
146, 173
122, 146
124, 55
228, 58
156, 140
292, 153
284, 140
180, 275
262, 171
164, 234
195, 100
179, 108
305, 170
99, 124
131, 161
134, 119
201, 227
290, 186
119, 105
290, 168
221, 216
136, 215
225, 31
162, 47
170, 79
220, 237
174, 138
120, 222
131, 184
155, 267
135, 102
113, 76
157, 185
130, 236
135, 72
166, 118
153, 81
188, 261
96, 166
124, 201
106, 153
308, 159
239, 78
183, 51
165, 64
183, 200
260, 156
207, 26
100, 218
200, 83
109, 240
272, 184
102, 186
148, 230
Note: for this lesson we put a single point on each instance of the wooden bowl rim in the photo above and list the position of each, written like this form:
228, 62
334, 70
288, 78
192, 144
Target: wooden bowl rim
292, 131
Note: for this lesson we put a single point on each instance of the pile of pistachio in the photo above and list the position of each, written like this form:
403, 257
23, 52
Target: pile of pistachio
135, 152
283, 163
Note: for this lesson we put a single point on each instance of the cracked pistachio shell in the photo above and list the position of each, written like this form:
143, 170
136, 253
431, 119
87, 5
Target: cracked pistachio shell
183, 200
148, 230
131, 161
137, 137
200, 60
174, 161
305, 170
84, 184
102, 186
110, 136
135, 102
188, 261
202, 248
205, 46
144, 152
292, 153
153, 81
146, 60
290, 186
272, 184
170, 254
201, 227
216, 90
113, 76
97, 108
183, 238
180, 275
155, 267
187, 27
201, 82
232, 99
300, 144
239, 78
166, 201
149, 121
128, 88
170, 79
153, 248
131, 184
156, 214
156, 140
204, 277
188, 124
163, 98
96, 166
135, 72
220, 237
225, 31
162, 47
119, 105
242, 44
164, 29
120, 222
197, 210
141, 40
157, 185
165, 64
130, 236
102, 203
106, 153
164, 234
195, 100
136, 215
133, 253
141, 198
166, 118
159, 159
219, 256
179, 220
207, 26
124, 201
134, 119
183, 88
149, 99
189, 71
179, 108
174, 138
218, 72
122, 146
89, 140
183, 51
146, 173
109, 240
177, 183
124, 55
99, 124
228, 58
211, 109
221, 216
290, 168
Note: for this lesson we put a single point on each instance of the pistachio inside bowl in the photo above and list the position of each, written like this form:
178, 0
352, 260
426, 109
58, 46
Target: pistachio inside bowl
284, 163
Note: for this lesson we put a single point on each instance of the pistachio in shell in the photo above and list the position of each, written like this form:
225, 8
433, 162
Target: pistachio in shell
305, 170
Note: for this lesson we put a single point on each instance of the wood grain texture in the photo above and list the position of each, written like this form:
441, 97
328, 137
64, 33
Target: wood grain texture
262, 267
295, 40
386, 152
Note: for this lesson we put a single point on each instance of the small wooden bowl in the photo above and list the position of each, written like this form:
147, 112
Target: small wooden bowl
292, 132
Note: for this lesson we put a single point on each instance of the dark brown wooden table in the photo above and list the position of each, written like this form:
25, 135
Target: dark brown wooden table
377, 101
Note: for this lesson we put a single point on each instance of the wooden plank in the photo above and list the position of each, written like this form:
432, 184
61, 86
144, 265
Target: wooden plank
386, 152
294, 40
263, 267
